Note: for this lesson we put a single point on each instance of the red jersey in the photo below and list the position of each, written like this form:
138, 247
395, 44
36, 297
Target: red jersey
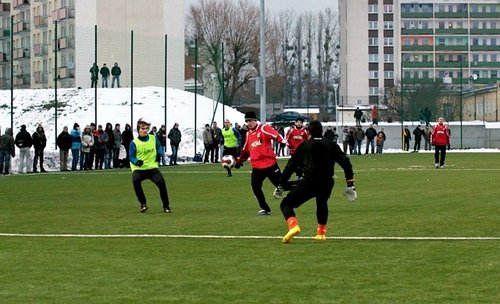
296, 136
259, 148
440, 135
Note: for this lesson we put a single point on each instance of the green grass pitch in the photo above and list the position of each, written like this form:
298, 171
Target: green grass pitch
79, 237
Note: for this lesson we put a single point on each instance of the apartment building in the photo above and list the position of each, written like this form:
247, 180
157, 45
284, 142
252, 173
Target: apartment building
131, 33
384, 41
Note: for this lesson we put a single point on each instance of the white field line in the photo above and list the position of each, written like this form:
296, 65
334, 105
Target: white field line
187, 236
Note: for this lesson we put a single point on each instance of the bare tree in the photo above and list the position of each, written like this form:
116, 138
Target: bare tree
233, 26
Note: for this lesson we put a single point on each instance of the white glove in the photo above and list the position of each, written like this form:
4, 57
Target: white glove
278, 192
351, 194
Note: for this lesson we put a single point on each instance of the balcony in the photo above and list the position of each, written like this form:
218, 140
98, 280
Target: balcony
416, 15
417, 48
451, 15
22, 80
4, 33
485, 48
63, 13
485, 15
485, 31
4, 8
40, 21
65, 43
458, 31
20, 53
4, 58
17, 4
39, 49
416, 31
20, 26
452, 47
451, 64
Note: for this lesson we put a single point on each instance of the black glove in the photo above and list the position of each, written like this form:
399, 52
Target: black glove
158, 158
139, 163
237, 165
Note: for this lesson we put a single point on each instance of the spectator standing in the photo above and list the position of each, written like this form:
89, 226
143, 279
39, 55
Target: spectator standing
208, 141
39, 143
231, 141
64, 142
24, 141
76, 145
162, 137
258, 147
375, 115
144, 157
427, 137
370, 138
217, 132
380, 141
406, 138
127, 137
7, 150
108, 154
359, 134
175, 139
345, 139
318, 157
358, 114
117, 144
282, 146
330, 134
116, 72
87, 145
417, 136
94, 75
440, 138
102, 141
352, 140
105, 74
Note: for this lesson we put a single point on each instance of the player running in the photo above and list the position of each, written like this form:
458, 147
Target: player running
317, 157
259, 148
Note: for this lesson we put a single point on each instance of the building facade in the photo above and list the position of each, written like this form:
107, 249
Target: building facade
44, 39
384, 41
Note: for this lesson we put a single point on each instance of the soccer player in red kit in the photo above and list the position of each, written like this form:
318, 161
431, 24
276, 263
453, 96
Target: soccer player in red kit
440, 138
259, 148
296, 135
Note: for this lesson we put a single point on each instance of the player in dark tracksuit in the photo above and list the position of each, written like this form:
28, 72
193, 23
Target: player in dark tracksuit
317, 157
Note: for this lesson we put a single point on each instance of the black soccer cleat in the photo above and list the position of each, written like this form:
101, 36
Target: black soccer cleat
166, 210
144, 208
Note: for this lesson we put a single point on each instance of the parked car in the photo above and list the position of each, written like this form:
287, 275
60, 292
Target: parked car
288, 116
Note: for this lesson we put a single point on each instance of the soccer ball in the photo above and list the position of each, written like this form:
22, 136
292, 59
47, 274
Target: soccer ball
228, 161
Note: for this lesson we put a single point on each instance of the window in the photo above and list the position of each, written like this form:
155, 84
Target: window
372, 25
372, 57
388, 25
373, 91
372, 9
388, 58
388, 74
387, 9
389, 41
373, 74
372, 41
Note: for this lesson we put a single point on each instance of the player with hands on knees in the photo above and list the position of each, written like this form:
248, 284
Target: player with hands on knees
144, 154
317, 157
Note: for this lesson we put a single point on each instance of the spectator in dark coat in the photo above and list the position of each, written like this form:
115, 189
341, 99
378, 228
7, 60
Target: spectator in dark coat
175, 139
64, 142
24, 141
162, 137
108, 154
208, 141
406, 139
94, 75
370, 138
105, 74
39, 143
7, 149
116, 72
417, 133
358, 114
100, 143
127, 137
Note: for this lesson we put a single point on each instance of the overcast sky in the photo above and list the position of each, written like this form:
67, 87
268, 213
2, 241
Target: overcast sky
273, 6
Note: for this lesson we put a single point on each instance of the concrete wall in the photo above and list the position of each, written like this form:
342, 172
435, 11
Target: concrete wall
474, 135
